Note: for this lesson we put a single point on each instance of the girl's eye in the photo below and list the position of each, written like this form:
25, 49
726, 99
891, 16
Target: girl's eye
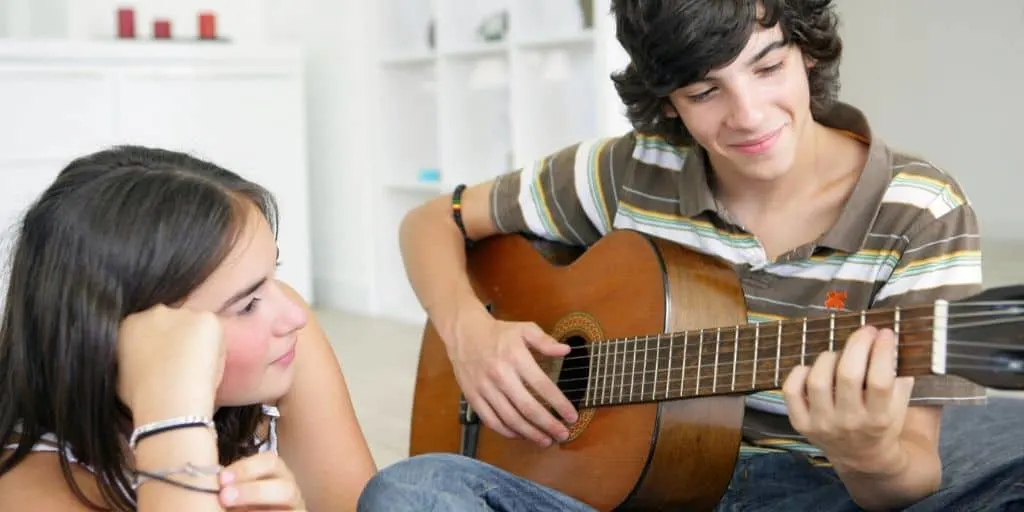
250, 307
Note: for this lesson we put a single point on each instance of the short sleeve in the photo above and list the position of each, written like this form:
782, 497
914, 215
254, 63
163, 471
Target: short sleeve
569, 196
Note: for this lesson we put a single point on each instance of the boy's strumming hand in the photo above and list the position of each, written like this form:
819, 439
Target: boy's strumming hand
493, 366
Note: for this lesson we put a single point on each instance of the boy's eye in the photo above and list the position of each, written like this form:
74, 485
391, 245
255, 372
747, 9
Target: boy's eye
701, 96
771, 69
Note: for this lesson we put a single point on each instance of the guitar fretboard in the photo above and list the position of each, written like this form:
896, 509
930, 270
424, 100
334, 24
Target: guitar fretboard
733, 359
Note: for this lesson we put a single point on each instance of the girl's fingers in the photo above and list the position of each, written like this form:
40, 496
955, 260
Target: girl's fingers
262, 493
257, 467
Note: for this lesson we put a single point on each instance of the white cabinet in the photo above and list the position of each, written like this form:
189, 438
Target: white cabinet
240, 107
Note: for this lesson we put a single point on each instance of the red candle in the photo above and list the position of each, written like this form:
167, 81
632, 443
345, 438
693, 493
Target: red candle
207, 25
125, 23
162, 29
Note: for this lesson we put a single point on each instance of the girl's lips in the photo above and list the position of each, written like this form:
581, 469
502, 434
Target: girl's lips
287, 358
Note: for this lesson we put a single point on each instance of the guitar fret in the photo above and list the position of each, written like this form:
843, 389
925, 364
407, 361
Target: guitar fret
778, 353
803, 343
735, 354
614, 372
632, 374
682, 378
604, 380
622, 374
700, 355
587, 396
657, 357
643, 379
896, 336
596, 362
863, 318
668, 376
718, 343
757, 336
832, 332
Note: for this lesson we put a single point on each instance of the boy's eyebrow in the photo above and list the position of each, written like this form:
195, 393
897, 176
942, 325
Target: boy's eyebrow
774, 45
766, 50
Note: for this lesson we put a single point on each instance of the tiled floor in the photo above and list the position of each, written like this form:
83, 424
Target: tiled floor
379, 360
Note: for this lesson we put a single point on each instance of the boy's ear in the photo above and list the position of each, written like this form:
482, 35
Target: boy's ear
668, 109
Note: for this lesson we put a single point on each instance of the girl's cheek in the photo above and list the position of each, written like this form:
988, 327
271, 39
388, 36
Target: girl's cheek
244, 363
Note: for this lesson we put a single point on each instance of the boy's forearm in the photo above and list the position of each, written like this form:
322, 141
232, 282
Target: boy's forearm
433, 253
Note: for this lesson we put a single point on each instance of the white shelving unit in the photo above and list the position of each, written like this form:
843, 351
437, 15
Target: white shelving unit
470, 90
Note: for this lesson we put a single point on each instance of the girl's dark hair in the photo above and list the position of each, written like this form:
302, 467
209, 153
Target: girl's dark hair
674, 43
117, 232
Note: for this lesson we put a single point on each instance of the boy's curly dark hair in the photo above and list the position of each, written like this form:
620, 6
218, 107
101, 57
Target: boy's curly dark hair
673, 43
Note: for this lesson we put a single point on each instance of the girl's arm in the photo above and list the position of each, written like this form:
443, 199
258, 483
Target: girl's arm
319, 436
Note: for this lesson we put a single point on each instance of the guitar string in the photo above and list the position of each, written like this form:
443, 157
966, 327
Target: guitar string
768, 331
661, 390
758, 358
725, 367
728, 364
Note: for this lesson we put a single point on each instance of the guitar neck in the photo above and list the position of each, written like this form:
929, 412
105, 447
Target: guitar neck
749, 358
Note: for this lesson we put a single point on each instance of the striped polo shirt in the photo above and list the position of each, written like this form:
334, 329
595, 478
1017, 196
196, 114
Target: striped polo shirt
906, 237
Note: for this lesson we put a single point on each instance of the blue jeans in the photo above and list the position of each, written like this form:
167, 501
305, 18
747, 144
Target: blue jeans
983, 470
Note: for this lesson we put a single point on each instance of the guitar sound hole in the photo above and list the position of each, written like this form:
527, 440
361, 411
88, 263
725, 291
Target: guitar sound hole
572, 378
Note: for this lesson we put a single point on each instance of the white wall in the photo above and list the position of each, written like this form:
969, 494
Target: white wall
945, 80
342, 105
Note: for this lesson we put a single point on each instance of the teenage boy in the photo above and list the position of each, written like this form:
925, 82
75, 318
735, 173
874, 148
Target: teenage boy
740, 149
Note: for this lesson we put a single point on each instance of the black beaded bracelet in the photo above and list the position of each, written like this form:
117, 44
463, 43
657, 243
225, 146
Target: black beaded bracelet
457, 213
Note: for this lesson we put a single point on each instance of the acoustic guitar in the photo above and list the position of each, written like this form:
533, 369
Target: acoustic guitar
662, 356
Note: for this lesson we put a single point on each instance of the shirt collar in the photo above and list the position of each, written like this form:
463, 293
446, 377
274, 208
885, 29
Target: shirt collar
852, 227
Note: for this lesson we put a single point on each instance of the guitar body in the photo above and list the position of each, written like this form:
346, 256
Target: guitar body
672, 454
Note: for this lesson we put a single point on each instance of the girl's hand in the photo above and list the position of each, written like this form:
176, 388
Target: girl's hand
260, 482
170, 362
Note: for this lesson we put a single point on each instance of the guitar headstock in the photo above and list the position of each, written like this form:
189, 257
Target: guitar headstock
985, 338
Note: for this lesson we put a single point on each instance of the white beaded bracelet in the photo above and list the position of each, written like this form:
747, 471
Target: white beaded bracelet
157, 427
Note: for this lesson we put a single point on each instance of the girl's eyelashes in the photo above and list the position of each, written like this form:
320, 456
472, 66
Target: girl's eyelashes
250, 307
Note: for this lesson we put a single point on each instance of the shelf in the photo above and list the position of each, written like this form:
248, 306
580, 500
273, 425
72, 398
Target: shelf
547, 21
406, 28
578, 39
462, 24
414, 58
477, 50
416, 187
409, 122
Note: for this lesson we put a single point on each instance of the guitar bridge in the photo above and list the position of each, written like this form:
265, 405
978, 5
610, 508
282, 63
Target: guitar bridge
470, 428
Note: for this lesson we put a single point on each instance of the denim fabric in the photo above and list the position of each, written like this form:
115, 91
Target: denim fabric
983, 470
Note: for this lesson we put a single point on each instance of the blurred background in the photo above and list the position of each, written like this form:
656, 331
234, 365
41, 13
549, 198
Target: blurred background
352, 112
